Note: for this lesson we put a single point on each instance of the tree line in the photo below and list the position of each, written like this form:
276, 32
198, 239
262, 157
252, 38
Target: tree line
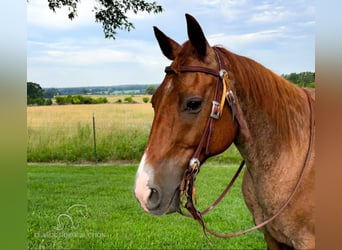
79, 99
303, 79
131, 89
36, 95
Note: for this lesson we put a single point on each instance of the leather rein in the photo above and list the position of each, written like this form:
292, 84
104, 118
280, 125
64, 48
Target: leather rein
187, 184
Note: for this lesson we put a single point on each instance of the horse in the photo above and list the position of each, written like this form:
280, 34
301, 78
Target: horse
269, 119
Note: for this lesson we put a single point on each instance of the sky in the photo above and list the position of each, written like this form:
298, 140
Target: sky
63, 53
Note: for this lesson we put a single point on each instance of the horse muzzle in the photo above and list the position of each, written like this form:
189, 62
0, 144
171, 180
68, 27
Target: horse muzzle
155, 198
159, 202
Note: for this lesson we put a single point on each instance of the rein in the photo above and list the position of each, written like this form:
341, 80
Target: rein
187, 184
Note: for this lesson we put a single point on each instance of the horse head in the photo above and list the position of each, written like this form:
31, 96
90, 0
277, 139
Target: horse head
182, 106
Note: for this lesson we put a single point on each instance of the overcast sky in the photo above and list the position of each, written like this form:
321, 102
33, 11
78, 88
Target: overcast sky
63, 53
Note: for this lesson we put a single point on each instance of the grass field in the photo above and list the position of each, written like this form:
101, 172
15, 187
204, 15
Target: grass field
65, 133
92, 207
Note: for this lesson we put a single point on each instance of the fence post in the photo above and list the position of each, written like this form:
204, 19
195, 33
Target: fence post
94, 134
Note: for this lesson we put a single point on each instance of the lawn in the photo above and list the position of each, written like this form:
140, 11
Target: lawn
93, 207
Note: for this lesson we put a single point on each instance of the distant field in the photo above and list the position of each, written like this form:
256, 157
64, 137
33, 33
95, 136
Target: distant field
93, 207
106, 115
64, 133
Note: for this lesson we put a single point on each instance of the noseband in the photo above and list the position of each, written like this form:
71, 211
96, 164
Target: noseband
187, 184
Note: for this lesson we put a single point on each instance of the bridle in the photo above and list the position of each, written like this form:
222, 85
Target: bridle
187, 183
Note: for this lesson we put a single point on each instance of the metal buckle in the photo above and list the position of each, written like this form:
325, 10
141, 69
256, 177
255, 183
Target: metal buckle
194, 164
230, 97
231, 101
215, 110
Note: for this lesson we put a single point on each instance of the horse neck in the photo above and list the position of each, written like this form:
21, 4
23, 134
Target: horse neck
275, 112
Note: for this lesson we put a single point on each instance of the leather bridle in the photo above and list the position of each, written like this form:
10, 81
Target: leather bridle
187, 184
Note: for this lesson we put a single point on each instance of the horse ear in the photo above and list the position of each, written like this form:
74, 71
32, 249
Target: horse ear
169, 47
196, 35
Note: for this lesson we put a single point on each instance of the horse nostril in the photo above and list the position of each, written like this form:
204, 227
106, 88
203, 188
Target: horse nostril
154, 199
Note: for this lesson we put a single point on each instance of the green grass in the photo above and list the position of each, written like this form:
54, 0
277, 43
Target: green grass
127, 144
109, 217
78, 146
118, 144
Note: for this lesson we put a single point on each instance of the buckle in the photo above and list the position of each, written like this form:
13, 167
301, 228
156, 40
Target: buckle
194, 165
231, 101
215, 110
230, 97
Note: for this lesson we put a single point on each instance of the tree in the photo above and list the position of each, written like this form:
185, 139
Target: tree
150, 89
111, 13
35, 95
51, 92
146, 99
129, 99
302, 79
34, 90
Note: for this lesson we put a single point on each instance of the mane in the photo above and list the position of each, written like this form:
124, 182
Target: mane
279, 98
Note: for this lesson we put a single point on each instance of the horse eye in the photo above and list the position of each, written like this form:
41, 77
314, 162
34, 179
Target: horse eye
193, 105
